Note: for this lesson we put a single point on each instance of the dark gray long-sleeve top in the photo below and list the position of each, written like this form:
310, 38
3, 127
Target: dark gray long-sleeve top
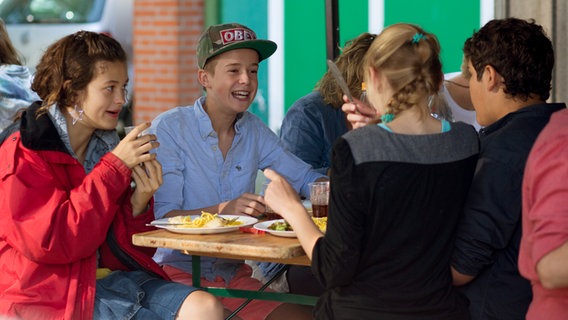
395, 202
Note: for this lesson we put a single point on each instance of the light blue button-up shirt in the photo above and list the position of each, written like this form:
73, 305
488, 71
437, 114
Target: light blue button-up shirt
197, 176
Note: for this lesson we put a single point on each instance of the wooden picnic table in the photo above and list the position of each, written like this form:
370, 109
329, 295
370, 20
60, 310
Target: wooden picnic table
233, 245
230, 245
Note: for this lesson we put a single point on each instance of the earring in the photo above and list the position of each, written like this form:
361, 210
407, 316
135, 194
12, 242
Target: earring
79, 115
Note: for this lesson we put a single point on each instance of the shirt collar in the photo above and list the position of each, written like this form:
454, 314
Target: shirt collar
204, 122
535, 109
101, 142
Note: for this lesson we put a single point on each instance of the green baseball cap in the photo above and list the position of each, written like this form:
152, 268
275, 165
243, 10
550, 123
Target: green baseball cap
221, 38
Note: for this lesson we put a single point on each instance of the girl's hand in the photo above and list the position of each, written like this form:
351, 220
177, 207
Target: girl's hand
133, 150
148, 178
281, 197
360, 114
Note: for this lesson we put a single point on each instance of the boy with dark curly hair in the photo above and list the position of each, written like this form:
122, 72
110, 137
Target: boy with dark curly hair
510, 64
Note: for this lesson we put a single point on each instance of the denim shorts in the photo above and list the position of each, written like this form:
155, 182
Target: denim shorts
138, 295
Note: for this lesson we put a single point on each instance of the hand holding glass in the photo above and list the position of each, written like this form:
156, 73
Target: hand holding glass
130, 128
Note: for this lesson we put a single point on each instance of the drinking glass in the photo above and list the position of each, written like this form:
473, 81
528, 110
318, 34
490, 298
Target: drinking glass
319, 197
127, 130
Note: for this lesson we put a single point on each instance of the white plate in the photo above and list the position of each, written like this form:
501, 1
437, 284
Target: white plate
163, 223
265, 224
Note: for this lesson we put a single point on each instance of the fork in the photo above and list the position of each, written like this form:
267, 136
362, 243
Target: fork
227, 221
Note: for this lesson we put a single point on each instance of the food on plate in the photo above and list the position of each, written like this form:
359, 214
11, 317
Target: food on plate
321, 223
280, 226
206, 220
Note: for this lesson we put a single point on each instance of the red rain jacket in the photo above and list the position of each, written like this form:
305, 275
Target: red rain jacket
53, 220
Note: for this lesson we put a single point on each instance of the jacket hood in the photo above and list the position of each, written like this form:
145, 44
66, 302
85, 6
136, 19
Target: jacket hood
39, 133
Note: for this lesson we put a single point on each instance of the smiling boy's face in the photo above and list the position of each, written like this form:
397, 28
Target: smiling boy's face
232, 81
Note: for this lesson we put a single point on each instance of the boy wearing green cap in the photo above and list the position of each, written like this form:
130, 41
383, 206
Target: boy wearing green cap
211, 152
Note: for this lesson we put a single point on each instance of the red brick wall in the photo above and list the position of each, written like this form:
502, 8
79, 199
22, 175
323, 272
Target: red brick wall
166, 33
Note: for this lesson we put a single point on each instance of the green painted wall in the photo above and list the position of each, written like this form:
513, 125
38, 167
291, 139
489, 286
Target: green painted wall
353, 19
304, 50
211, 8
240, 11
305, 42
450, 20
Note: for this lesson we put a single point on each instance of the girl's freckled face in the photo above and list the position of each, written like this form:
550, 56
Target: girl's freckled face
105, 95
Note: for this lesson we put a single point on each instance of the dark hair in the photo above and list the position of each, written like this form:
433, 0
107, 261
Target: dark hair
69, 65
8, 54
350, 62
519, 50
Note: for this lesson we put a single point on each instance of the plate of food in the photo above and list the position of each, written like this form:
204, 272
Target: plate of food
206, 223
282, 228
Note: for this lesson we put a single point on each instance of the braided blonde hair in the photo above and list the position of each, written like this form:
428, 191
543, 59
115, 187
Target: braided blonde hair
409, 59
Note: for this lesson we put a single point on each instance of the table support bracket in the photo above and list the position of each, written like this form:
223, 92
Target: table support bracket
248, 294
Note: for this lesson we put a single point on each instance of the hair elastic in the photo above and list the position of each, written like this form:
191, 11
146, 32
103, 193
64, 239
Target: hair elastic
387, 117
417, 37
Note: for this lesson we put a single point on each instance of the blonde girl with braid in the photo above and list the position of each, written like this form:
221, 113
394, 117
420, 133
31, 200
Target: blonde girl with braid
397, 189
403, 69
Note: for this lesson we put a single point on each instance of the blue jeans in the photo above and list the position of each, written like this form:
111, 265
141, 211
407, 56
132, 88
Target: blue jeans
138, 295
270, 269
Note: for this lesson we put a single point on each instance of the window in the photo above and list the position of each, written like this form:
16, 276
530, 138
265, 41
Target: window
51, 11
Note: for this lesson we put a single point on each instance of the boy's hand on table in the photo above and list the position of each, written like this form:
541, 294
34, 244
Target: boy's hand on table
249, 204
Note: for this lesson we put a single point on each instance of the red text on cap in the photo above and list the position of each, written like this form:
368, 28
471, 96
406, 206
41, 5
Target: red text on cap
236, 35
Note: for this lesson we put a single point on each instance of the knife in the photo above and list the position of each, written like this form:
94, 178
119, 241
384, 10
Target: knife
339, 78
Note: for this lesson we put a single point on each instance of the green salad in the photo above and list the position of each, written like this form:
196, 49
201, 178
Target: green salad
280, 226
